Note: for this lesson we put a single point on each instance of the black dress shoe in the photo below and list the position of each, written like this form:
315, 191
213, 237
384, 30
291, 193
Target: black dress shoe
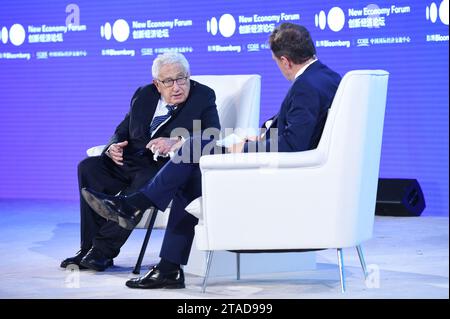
96, 260
75, 260
156, 279
115, 208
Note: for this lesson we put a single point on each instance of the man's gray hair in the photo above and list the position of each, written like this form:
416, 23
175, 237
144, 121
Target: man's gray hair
169, 58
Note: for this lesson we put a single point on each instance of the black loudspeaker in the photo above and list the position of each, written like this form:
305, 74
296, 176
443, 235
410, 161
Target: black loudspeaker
399, 197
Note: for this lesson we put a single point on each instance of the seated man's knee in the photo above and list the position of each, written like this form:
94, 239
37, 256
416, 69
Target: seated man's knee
194, 148
87, 165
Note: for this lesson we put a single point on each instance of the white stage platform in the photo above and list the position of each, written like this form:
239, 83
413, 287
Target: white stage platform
407, 257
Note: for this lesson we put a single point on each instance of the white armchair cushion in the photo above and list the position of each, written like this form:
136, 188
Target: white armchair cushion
160, 221
237, 99
195, 208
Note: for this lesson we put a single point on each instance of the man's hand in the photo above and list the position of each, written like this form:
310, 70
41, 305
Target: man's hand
164, 145
237, 148
115, 152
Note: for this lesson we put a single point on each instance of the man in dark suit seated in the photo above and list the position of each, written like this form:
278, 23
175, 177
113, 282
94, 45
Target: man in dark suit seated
172, 102
296, 127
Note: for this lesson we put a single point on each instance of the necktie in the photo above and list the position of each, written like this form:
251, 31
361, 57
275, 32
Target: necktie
161, 118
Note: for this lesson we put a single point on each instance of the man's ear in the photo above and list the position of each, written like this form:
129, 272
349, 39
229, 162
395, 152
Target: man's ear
286, 62
157, 84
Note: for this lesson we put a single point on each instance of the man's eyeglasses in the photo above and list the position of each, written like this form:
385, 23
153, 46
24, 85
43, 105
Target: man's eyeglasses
169, 82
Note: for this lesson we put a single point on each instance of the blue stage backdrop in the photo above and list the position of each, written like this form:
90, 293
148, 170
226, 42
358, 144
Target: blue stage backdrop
68, 71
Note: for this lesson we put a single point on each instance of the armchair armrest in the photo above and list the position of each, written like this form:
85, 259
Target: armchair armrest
95, 151
313, 158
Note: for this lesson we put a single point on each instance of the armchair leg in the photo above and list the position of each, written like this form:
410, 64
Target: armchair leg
209, 257
238, 266
341, 268
137, 268
362, 261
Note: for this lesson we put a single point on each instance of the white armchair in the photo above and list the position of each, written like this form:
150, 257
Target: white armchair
238, 104
318, 199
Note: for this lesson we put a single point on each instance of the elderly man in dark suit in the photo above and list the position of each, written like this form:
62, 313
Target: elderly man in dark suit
171, 102
296, 127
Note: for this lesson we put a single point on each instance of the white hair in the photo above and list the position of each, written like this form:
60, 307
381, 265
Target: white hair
169, 58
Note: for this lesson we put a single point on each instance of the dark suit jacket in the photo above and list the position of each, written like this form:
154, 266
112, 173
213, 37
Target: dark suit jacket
301, 118
200, 105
